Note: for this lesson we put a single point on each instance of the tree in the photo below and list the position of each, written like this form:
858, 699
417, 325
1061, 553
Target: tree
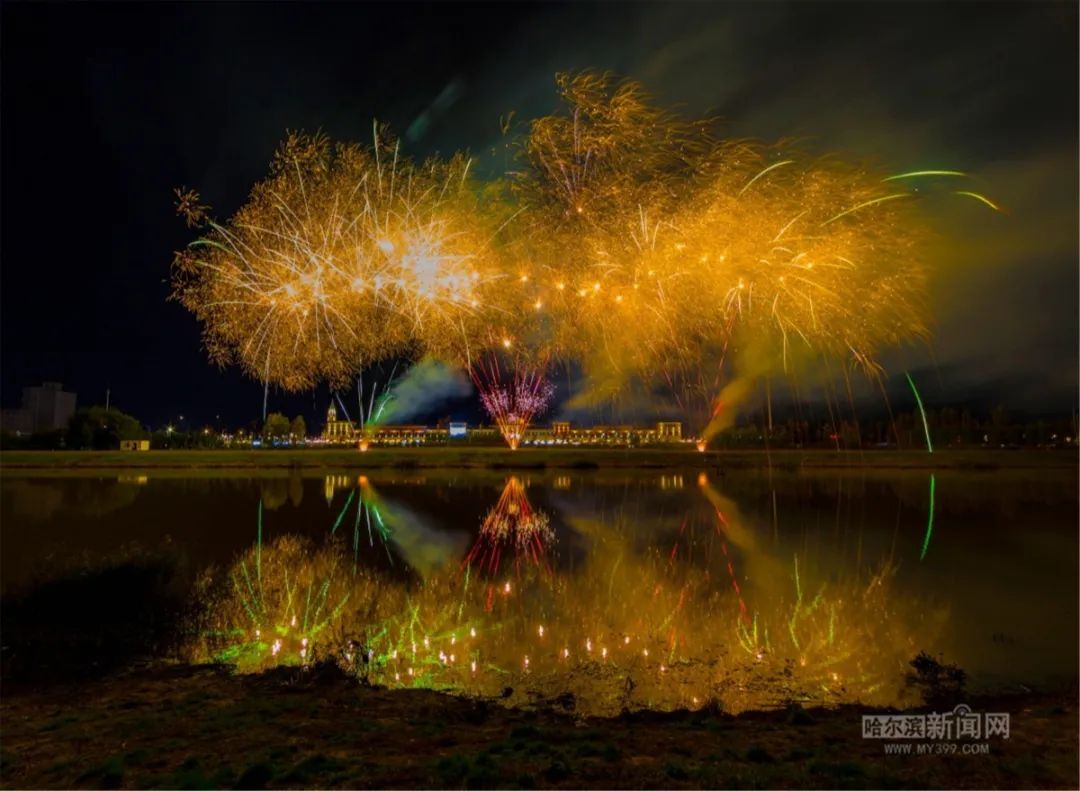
97, 428
276, 426
298, 429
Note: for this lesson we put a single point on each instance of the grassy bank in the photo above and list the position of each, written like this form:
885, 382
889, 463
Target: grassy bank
536, 458
195, 727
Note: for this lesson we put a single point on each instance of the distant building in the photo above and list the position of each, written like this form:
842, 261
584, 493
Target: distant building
407, 435
562, 433
44, 408
670, 429
337, 430
134, 444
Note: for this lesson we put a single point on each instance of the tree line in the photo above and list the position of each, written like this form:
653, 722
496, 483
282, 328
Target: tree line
101, 428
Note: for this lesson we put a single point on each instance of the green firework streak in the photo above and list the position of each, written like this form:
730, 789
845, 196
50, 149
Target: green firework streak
930, 520
918, 400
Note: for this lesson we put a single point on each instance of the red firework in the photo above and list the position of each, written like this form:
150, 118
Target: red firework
513, 525
511, 402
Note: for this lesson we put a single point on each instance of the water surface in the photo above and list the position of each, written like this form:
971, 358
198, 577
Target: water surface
624, 589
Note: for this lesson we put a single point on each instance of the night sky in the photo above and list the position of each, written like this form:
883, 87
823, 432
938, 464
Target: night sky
107, 108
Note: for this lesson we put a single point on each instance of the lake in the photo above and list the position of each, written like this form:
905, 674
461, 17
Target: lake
602, 590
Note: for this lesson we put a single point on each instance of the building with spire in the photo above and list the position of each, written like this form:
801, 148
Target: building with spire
341, 431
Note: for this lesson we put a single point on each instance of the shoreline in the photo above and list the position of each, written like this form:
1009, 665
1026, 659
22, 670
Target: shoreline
320, 728
501, 458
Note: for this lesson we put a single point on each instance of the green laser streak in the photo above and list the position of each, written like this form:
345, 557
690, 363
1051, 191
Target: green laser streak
750, 183
348, 502
918, 400
981, 199
798, 605
258, 548
307, 609
929, 521
863, 205
382, 405
918, 173
356, 534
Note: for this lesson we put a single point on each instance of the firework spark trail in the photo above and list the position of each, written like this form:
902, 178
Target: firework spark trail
338, 260
918, 401
513, 524
628, 241
683, 628
929, 519
512, 403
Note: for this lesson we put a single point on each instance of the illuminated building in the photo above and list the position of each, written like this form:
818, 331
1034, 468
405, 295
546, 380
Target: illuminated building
338, 431
561, 432
670, 429
406, 435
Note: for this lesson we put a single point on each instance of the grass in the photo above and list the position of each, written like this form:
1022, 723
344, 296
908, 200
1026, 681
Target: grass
304, 730
535, 458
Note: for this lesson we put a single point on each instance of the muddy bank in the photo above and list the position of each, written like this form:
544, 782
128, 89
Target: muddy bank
196, 727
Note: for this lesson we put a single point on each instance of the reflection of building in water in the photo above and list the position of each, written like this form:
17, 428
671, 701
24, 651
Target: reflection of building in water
671, 482
333, 483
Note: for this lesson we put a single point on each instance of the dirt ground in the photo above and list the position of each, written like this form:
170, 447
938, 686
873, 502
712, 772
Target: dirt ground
202, 727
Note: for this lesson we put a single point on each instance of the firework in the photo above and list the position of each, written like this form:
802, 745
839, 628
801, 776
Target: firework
679, 626
628, 241
929, 520
277, 605
673, 248
790, 259
344, 256
511, 400
600, 183
512, 524
922, 412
